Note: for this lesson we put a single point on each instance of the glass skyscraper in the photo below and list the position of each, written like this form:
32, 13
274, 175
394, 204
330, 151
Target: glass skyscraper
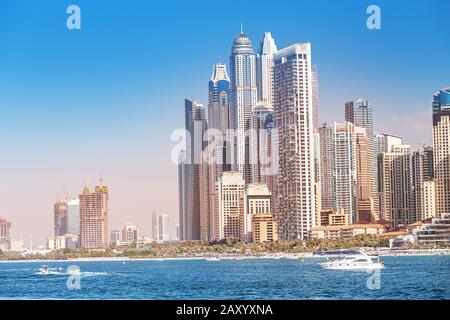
359, 112
73, 217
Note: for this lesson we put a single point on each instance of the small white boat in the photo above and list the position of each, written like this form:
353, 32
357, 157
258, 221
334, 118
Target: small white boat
354, 262
44, 270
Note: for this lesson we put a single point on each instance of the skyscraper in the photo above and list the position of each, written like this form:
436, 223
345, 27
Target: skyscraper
196, 125
441, 149
384, 142
365, 198
243, 98
261, 125
344, 168
229, 222
264, 68
163, 228
219, 117
94, 217
217, 155
397, 198
422, 174
5, 236
315, 96
360, 114
326, 167
73, 217
294, 121
60, 217
183, 194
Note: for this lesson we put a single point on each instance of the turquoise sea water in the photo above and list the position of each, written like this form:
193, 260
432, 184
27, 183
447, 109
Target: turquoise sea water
424, 277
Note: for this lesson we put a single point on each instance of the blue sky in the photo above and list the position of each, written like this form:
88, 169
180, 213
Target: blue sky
107, 97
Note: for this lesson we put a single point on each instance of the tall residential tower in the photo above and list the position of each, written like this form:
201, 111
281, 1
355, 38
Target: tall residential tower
295, 200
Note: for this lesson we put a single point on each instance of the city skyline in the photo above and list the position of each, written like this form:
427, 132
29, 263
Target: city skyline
120, 150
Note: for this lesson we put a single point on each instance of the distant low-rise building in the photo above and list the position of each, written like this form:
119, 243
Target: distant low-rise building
334, 217
67, 241
438, 231
129, 232
55, 243
352, 230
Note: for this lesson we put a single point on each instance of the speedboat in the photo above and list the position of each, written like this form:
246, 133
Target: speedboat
44, 270
354, 262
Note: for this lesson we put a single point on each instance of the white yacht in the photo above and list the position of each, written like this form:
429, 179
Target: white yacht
354, 262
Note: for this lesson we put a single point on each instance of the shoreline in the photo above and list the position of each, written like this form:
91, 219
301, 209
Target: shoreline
276, 256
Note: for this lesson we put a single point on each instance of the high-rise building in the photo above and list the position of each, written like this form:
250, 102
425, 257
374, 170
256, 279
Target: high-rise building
422, 173
163, 228
315, 97
366, 199
261, 125
441, 150
154, 226
326, 167
196, 126
94, 217
428, 200
73, 217
130, 233
114, 236
317, 172
397, 198
60, 216
344, 168
183, 195
219, 117
264, 68
257, 201
294, 121
217, 156
385, 141
5, 236
177, 227
229, 222
359, 112
243, 99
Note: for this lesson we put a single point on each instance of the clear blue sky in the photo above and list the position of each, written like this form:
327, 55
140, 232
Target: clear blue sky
107, 97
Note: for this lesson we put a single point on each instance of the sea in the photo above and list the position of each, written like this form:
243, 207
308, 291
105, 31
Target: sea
404, 277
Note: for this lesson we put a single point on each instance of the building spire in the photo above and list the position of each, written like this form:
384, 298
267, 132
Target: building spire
242, 28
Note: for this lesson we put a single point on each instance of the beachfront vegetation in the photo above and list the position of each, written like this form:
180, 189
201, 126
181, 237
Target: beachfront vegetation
197, 248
